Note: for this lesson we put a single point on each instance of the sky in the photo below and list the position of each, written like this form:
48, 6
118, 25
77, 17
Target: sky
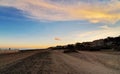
45, 23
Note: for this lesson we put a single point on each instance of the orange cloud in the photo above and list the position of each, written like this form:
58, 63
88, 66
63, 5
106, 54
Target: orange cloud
56, 38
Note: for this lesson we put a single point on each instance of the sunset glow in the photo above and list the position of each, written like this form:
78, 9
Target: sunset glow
45, 23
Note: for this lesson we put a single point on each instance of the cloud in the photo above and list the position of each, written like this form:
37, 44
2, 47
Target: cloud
105, 27
98, 34
64, 10
57, 39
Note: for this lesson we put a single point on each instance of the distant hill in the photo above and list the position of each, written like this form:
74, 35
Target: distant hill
109, 43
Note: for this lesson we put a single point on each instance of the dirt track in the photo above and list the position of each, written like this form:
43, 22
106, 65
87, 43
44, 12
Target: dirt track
56, 62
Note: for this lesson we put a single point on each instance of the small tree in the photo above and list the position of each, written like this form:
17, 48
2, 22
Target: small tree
9, 48
79, 46
70, 48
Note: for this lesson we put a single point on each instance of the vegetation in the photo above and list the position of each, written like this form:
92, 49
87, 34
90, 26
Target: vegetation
70, 48
110, 43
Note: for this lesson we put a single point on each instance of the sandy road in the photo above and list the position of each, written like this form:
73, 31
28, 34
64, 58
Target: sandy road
56, 62
87, 63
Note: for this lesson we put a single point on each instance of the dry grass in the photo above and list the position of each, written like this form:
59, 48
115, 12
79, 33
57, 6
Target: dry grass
8, 51
37, 63
9, 58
